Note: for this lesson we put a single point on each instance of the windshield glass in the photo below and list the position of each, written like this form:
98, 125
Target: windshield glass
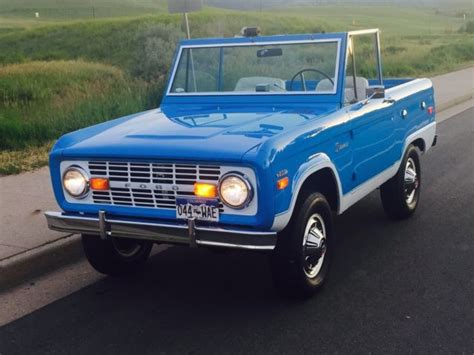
277, 68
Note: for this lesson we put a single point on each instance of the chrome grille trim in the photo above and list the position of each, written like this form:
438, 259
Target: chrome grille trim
162, 182
162, 198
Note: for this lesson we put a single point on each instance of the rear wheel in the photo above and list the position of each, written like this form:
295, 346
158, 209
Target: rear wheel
115, 256
304, 249
401, 194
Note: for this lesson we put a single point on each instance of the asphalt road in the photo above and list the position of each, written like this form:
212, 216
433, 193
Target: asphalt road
394, 287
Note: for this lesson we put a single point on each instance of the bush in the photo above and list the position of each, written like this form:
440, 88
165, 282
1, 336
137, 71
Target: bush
445, 57
156, 45
467, 27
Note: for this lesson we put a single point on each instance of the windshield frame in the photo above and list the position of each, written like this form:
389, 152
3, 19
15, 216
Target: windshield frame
257, 44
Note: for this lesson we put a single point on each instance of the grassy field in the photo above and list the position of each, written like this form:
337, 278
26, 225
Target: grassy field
394, 21
39, 101
74, 9
67, 70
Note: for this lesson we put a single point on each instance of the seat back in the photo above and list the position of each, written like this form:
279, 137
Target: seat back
349, 94
361, 86
251, 83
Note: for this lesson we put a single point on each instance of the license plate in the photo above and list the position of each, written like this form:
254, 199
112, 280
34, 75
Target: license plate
198, 208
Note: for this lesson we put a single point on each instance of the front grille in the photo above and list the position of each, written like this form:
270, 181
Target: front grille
155, 185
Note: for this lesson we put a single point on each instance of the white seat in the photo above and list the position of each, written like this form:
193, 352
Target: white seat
251, 83
349, 94
361, 86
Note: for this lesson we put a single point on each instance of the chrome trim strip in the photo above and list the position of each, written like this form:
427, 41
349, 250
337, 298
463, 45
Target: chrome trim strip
162, 232
364, 32
232, 93
379, 57
375, 31
236, 231
118, 221
263, 43
235, 246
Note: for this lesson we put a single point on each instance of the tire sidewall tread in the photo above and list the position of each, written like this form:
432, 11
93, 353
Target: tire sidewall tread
287, 259
392, 192
104, 258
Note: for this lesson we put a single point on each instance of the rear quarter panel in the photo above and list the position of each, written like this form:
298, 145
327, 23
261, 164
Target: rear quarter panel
410, 96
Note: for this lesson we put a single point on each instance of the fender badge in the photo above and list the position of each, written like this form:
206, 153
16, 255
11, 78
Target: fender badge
341, 146
282, 173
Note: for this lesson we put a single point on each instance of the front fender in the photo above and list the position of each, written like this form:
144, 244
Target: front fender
315, 163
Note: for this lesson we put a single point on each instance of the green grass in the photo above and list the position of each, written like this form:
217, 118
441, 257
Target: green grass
30, 158
41, 100
74, 9
65, 70
114, 41
119, 41
393, 21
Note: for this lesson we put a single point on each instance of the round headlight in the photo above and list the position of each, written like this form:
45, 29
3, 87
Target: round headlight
235, 191
75, 182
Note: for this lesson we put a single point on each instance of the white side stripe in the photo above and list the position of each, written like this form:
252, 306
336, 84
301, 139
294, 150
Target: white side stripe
427, 133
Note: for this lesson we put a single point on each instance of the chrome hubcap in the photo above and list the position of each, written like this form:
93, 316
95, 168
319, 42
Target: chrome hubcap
314, 245
125, 247
411, 181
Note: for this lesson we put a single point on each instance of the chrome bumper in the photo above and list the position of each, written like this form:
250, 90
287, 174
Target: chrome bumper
163, 232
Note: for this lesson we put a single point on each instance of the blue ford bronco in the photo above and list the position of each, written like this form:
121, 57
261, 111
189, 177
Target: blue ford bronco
257, 143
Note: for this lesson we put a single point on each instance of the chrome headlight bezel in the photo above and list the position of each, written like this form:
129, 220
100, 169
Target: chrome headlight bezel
82, 172
245, 180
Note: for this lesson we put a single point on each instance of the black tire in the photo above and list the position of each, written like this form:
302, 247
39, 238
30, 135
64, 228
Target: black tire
289, 260
396, 194
110, 256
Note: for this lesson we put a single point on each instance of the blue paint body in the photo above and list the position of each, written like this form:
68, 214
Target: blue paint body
268, 133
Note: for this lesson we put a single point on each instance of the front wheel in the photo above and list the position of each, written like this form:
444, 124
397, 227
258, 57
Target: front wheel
401, 194
304, 249
115, 256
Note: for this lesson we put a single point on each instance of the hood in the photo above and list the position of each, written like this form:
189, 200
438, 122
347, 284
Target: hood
216, 136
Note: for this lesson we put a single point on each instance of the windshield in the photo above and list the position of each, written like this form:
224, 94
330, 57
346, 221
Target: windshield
276, 68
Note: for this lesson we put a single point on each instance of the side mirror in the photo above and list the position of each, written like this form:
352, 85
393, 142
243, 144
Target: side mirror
375, 92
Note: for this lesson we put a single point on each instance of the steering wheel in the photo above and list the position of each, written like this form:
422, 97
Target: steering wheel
303, 81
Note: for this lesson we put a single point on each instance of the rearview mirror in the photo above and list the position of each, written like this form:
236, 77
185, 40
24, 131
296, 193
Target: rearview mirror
375, 92
269, 52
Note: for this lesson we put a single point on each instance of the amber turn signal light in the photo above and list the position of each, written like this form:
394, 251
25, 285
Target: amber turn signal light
99, 184
205, 190
283, 183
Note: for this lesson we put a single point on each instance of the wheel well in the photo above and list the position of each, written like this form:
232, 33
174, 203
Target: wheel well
322, 181
420, 144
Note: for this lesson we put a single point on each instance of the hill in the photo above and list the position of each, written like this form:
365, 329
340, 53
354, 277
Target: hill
60, 74
74, 9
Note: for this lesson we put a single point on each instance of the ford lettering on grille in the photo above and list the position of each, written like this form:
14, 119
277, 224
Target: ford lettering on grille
156, 185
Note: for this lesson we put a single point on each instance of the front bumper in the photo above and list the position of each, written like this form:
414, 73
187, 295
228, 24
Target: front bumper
163, 232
